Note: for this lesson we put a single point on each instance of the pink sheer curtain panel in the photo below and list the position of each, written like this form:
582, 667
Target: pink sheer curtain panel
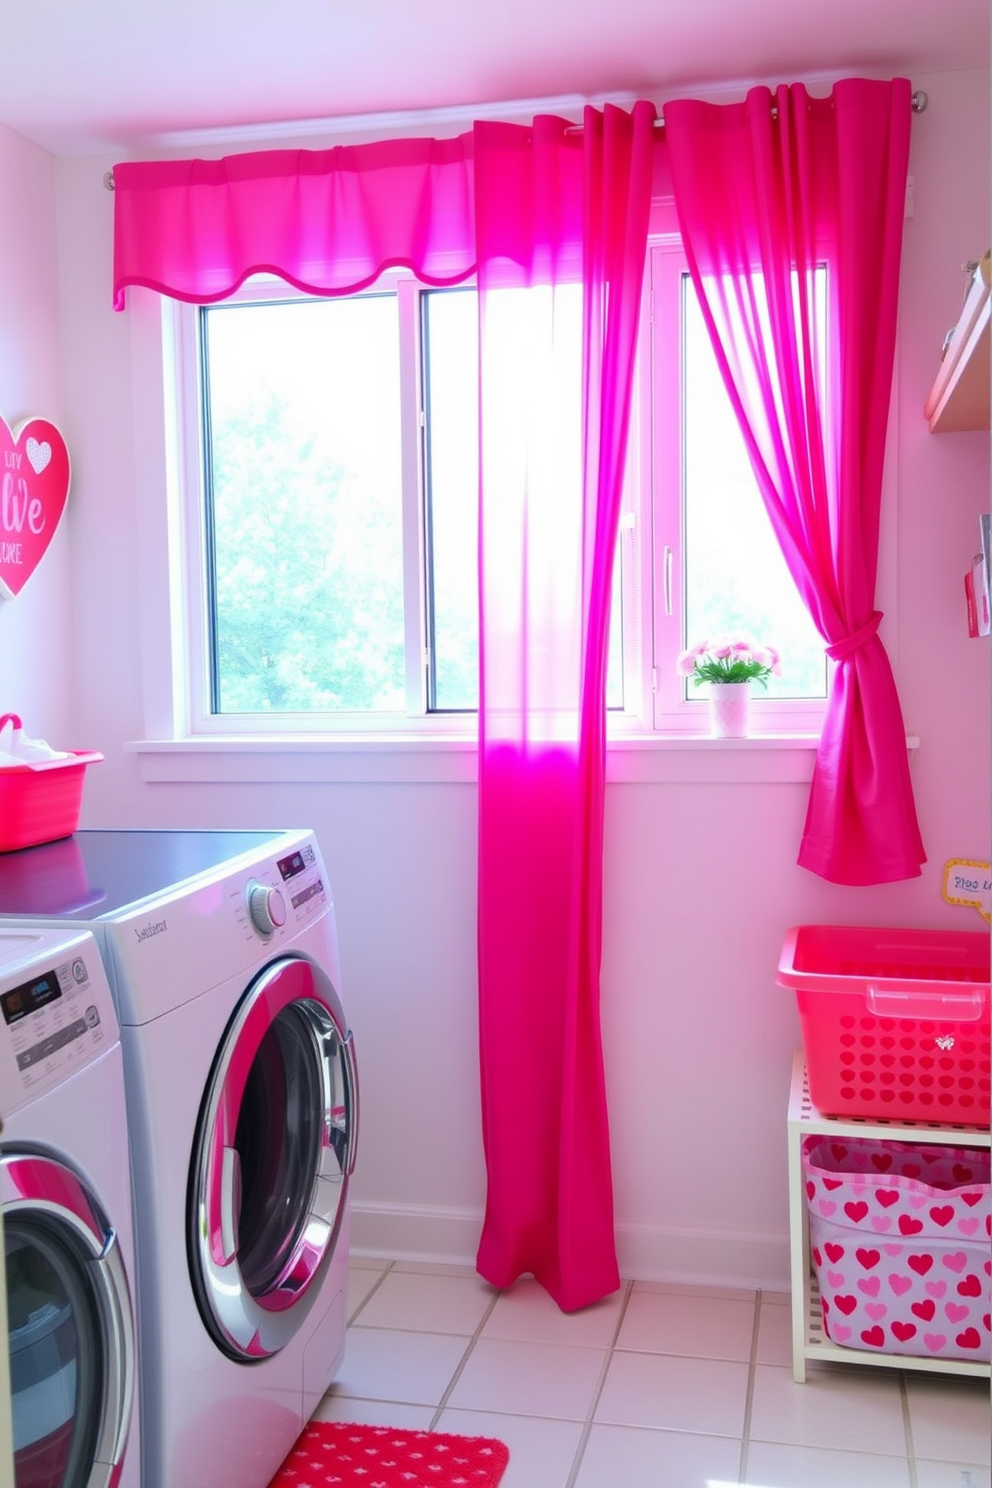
768, 192
327, 221
561, 231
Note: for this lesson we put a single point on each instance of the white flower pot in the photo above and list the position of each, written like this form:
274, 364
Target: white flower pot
730, 706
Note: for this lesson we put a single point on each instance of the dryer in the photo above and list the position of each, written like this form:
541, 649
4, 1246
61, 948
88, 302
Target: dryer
242, 1094
66, 1199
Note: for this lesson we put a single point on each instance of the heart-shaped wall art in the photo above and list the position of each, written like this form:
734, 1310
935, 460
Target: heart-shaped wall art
34, 484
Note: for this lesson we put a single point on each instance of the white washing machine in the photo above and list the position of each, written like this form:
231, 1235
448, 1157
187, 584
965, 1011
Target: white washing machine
243, 1107
66, 1198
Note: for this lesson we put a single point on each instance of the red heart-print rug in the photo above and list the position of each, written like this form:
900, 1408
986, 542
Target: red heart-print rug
344, 1455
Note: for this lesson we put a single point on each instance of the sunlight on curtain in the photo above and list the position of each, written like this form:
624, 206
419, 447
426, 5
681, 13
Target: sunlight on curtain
532, 376
561, 232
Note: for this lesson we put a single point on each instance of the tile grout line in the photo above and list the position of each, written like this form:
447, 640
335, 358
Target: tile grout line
370, 1294
752, 1364
598, 1390
460, 1366
907, 1421
610, 1348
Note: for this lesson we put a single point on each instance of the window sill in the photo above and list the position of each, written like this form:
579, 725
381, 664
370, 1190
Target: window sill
631, 760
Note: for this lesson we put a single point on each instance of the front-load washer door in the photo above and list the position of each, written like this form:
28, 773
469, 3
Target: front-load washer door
274, 1149
70, 1328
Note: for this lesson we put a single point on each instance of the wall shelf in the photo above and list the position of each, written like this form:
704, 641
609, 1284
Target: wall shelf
960, 397
809, 1341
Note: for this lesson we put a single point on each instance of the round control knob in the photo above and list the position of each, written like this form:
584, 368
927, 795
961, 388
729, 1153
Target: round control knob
266, 907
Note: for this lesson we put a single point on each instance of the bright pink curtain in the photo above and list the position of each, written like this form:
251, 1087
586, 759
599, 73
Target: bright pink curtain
561, 228
763, 201
327, 221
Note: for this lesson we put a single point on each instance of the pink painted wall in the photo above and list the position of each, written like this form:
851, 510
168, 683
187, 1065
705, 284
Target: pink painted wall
35, 671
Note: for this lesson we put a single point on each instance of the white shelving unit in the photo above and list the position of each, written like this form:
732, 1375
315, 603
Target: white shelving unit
959, 398
809, 1341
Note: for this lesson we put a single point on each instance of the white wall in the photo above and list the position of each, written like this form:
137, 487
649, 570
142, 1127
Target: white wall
35, 658
698, 1037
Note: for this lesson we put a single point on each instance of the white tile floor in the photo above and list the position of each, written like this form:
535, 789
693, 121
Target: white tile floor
657, 1387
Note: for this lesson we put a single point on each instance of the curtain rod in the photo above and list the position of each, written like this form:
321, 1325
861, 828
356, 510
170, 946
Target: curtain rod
918, 103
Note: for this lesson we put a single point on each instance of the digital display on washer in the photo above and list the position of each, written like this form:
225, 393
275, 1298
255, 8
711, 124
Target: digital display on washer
291, 866
21, 1001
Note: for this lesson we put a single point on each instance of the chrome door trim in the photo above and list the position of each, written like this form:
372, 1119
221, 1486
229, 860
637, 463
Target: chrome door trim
251, 1328
34, 1184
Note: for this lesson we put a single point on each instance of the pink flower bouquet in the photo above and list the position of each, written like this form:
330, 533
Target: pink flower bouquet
730, 659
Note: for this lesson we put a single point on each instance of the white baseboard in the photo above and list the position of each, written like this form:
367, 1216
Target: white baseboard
721, 1258
415, 1233
711, 1258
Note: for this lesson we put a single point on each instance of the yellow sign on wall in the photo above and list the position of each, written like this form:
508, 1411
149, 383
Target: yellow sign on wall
968, 881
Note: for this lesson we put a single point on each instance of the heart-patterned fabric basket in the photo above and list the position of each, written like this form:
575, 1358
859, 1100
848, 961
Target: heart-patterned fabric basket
899, 1234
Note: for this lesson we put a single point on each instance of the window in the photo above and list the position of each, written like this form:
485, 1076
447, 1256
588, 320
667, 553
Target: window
330, 518
303, 516
451, 460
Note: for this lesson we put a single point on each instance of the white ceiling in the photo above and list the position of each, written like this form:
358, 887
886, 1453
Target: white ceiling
81, 78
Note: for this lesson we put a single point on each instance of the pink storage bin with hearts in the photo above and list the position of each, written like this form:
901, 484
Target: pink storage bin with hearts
899, 1235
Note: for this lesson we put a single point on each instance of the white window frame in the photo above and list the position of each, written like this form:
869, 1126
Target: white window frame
181, 326
673, 711
172, 599
415, 718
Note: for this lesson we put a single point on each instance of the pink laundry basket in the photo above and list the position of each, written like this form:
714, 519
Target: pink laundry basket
40, 800
895, 1023
899, 1234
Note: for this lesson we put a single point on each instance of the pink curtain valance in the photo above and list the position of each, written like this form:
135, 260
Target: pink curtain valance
326, 221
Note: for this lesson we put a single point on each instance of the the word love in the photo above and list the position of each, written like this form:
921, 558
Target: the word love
34, 485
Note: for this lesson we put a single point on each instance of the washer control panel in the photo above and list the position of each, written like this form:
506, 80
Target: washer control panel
266, 907
53, 1020
292, 891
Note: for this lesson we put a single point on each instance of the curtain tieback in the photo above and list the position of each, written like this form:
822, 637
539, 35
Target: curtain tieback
840, 650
